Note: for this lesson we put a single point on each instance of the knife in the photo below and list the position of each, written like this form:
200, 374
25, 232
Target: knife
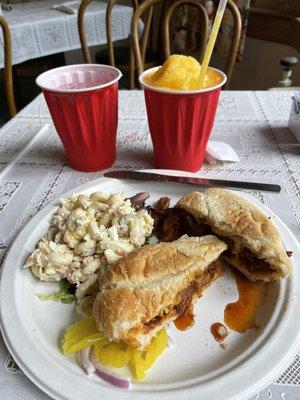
202, 182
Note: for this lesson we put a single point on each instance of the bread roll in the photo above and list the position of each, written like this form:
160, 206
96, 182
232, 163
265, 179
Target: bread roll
153, 285
255, 246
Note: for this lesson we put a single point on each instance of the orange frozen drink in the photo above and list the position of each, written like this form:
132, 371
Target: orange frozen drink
182, 73
181, 111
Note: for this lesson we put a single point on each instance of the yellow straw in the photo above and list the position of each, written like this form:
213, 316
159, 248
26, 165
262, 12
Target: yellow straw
212, 40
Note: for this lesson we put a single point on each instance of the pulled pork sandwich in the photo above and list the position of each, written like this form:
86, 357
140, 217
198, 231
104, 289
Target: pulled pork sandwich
150, 286
254, 245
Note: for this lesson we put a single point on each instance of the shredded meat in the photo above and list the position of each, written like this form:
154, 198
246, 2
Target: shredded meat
209, 274
138, 200
154, 321
162, 203
251, 260
246, 257
228, 241
171, 223
186, 296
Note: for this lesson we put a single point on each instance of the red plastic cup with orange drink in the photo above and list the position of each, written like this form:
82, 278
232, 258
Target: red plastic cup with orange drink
180, 114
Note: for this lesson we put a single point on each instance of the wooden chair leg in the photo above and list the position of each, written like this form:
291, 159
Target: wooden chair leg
8, 75
10, 94
131, 70
17, 89
235, 42
82, 36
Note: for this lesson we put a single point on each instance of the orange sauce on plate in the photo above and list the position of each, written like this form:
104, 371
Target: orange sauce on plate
241, 315
219, 331
184, 321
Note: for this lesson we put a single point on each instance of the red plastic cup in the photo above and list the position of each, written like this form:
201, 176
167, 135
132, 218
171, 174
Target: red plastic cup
180, 123
83, 103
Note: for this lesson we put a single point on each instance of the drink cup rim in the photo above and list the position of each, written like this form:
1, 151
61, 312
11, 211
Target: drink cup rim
180, 92
40, 80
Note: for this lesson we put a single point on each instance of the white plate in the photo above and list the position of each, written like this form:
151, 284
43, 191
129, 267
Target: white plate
195, 368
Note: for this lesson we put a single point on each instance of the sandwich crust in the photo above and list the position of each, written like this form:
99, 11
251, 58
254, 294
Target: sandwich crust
148, 283
244, 228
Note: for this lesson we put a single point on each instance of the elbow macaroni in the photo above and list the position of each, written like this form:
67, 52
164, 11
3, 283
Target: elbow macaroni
87, 234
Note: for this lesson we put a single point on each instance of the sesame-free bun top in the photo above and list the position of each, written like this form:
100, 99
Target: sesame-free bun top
148, 283
233, 217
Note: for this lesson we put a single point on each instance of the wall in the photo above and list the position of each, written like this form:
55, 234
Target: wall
286, 6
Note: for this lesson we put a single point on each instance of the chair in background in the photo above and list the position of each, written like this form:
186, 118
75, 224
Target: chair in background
122, 56
8, 75
82, 37
166, 25
147, 4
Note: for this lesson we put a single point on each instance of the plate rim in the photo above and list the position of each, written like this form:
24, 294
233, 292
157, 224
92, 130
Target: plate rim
50, 391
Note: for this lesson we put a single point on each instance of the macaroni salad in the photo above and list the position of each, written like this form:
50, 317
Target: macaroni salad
86, 235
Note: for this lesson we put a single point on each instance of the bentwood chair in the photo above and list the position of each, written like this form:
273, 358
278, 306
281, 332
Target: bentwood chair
204, 25
147, 4
163, 32
122, 57
8, 75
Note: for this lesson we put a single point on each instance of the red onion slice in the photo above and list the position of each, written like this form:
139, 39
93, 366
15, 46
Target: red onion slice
86, 363
110, 376
171, 340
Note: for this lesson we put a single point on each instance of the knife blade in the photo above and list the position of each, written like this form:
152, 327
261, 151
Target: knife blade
201, 182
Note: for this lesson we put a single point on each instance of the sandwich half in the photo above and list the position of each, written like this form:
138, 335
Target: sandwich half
254, 244
150, 286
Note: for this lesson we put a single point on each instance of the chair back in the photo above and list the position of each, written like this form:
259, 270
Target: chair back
110, 45
81, 29
235, 40
8, 75
148, 4
204, 25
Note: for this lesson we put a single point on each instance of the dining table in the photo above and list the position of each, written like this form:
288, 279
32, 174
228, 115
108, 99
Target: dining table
37, 30
254, 123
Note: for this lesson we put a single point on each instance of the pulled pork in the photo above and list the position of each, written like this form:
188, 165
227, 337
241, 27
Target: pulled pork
172, 223
186, 297
163, 203
138, 200
251, 260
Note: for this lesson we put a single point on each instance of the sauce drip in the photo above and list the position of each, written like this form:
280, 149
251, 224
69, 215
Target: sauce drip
184, 321
219, 331
241, 315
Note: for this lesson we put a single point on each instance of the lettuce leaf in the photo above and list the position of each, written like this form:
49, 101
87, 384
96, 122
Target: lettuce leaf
64, 295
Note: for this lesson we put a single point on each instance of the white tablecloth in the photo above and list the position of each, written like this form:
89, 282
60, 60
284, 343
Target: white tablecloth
38, 31
254, 123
